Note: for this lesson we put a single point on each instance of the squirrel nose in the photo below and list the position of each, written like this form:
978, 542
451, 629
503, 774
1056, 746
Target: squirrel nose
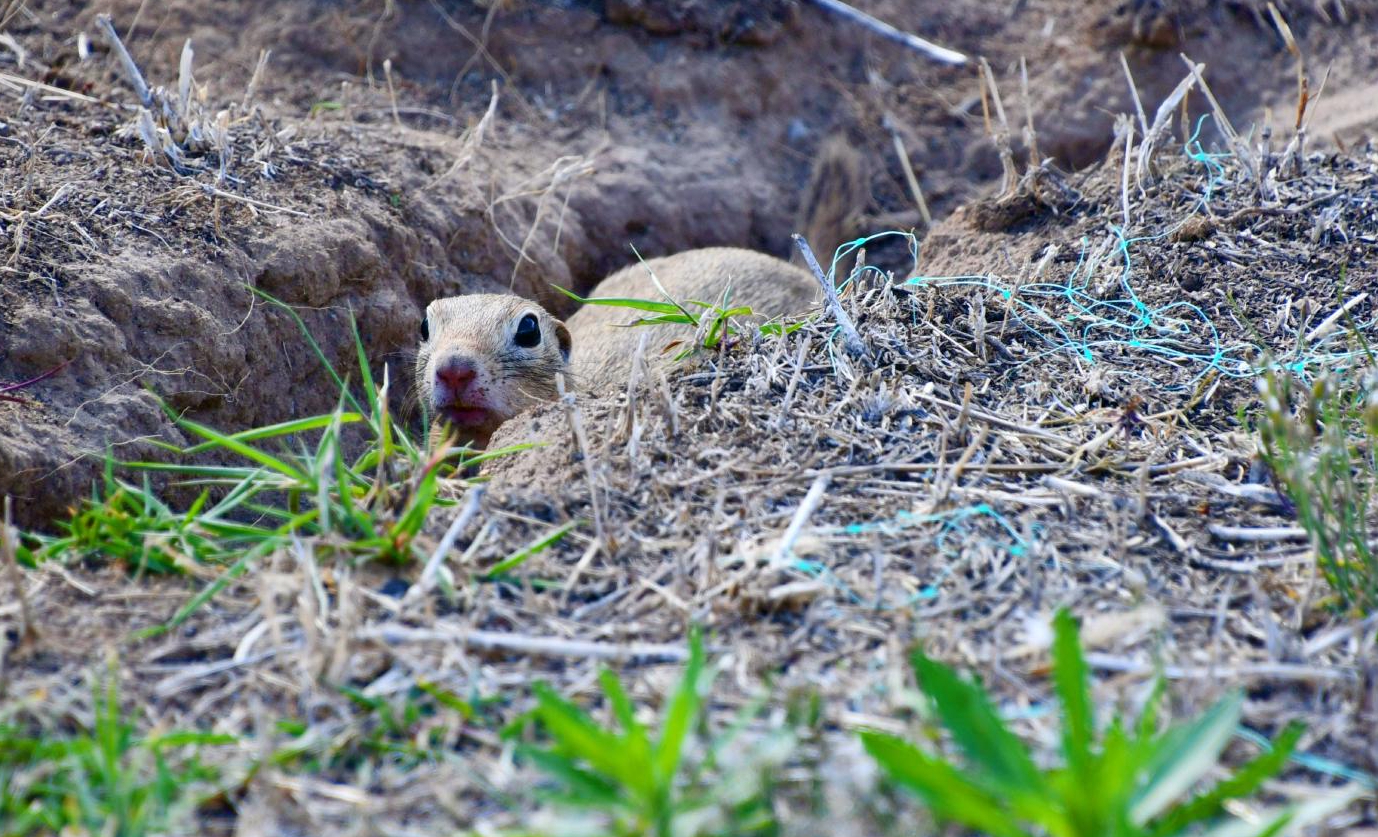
455, 373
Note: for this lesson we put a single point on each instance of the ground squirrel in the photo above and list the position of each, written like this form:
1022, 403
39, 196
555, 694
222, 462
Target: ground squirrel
486, 357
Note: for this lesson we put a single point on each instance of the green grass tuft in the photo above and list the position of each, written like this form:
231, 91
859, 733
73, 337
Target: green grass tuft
102, 780
1128, 781
633, 779
365, 497
1321, 443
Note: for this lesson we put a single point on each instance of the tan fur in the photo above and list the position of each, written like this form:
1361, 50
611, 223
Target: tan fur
480, 327
604, 347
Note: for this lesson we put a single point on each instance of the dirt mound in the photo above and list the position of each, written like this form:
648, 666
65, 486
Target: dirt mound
1046, 416
1047, 413
658, 125
1021, 435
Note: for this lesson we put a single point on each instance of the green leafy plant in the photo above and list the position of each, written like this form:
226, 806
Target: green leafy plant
104, 780
647, 784
1131, 780
1321, 443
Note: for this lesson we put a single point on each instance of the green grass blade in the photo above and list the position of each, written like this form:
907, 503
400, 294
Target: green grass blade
234, 571
285, 428
447, 698
365, 373
1071, 680
497, 453
942, 787
681, 714
621, 705
248, 452
534, 548
183, 738
586, 789
315, 347
663, 319
620, 302
1177, 768
977, 728
579, 736
1244, 782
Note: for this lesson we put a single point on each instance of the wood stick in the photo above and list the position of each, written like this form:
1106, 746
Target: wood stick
131, 69
913, 180
1270, 671
1328, 324
535, 645
801, 517
1264, 534
885, 30
850, 337
9, 556
432, 568
20, 81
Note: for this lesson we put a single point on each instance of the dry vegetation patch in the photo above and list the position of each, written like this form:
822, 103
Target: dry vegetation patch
1054, 405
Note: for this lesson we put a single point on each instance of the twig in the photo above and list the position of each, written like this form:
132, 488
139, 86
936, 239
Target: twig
392, 92
1335, 637
1161, 119
1031, 136
1328, 324
131, 69
850, 337
256, 78
1001, 137
211, 191
579, 567
924, 467
991, 418
1065, 485
432, 569
1134, 92
534, 645
1124, 175
885, 30
1262, 534
913, 180
48, 88
576, 427
1179, 543
1270, 671
946, 480
793, 382
169, 686
801, 517
1252, 493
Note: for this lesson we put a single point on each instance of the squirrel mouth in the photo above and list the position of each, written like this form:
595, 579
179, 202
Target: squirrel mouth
463, 415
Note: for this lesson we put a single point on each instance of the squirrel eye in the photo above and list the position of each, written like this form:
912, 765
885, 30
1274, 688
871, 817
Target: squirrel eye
425, 328
528, 334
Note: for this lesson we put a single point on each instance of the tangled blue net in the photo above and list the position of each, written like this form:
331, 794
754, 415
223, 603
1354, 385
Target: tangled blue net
1068, 318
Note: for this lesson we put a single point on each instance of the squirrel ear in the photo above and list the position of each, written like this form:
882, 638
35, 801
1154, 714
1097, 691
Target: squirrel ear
562, 335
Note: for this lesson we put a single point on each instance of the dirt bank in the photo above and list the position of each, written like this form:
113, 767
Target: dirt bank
360, 180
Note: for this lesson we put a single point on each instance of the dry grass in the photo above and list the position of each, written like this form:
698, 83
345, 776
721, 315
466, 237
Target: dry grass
818, 512
1061, 420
